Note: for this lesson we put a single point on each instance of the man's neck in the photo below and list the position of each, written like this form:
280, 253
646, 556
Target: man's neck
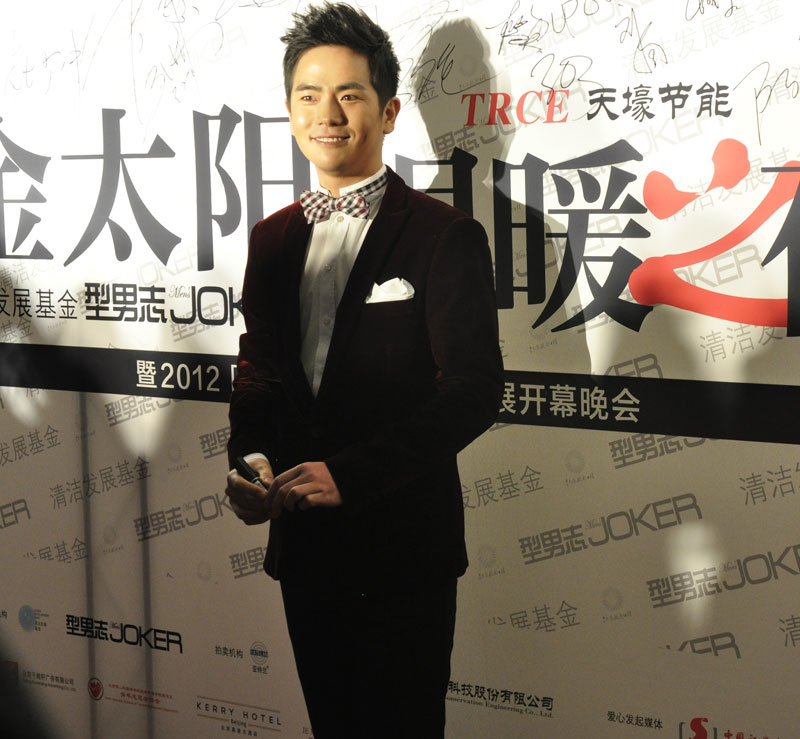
335, 185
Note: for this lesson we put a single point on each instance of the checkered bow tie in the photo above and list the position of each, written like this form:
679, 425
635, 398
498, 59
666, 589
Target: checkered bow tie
318, 206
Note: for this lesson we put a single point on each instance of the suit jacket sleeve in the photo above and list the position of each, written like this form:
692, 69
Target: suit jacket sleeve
258, 399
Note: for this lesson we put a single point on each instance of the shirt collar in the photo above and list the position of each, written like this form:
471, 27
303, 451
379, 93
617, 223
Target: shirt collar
372, 197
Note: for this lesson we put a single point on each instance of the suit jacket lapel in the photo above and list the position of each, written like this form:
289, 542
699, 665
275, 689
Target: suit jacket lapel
378, 244
298, 233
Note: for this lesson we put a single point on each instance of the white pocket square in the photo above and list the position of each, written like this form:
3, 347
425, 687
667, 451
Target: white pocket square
395, 289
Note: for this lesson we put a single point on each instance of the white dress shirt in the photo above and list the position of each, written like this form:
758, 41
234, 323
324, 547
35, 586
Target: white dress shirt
332, 249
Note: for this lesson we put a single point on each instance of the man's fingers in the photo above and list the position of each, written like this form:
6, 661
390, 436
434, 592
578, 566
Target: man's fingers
284, 497
292, 488
288, 495
279, 489
250, 516
296, 494
245, 494
264, 469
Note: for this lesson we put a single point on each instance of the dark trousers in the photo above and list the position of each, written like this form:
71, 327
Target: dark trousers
373, 662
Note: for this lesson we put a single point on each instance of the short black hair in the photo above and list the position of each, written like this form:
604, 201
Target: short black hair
339, 24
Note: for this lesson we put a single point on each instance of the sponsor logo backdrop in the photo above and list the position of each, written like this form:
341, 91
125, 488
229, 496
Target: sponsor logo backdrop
636, 165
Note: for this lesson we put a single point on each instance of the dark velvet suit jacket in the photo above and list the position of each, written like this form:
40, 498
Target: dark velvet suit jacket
406, 385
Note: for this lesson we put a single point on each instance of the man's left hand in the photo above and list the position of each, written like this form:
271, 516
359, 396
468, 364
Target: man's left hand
306, 486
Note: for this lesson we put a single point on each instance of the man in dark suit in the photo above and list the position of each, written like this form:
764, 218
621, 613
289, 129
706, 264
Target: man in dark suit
369, 361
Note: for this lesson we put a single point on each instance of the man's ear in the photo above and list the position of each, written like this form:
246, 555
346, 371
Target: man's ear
289, 111
390, 112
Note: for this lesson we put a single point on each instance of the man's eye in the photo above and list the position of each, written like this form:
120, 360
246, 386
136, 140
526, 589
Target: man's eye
349, 97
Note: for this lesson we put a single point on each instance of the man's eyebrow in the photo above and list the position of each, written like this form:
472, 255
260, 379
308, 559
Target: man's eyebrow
352, 85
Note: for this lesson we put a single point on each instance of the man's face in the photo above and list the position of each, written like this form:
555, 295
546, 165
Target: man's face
335, 115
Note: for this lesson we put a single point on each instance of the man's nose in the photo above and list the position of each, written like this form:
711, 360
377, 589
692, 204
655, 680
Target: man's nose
329, 111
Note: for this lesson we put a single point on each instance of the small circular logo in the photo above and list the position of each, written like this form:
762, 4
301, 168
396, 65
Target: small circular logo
575, 461
487, 556
612, 598
27, 618
95, 689
259, 653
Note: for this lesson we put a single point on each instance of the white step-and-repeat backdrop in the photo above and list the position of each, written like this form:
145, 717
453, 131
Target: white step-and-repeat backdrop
631, 517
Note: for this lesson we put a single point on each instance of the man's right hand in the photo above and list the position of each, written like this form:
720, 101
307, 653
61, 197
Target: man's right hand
247, 499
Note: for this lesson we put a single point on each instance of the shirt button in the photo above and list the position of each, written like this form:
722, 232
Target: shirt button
340, 219
328, 267
326, 321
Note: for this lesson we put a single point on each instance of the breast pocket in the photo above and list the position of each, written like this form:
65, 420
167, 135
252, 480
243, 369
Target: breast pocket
395, 331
